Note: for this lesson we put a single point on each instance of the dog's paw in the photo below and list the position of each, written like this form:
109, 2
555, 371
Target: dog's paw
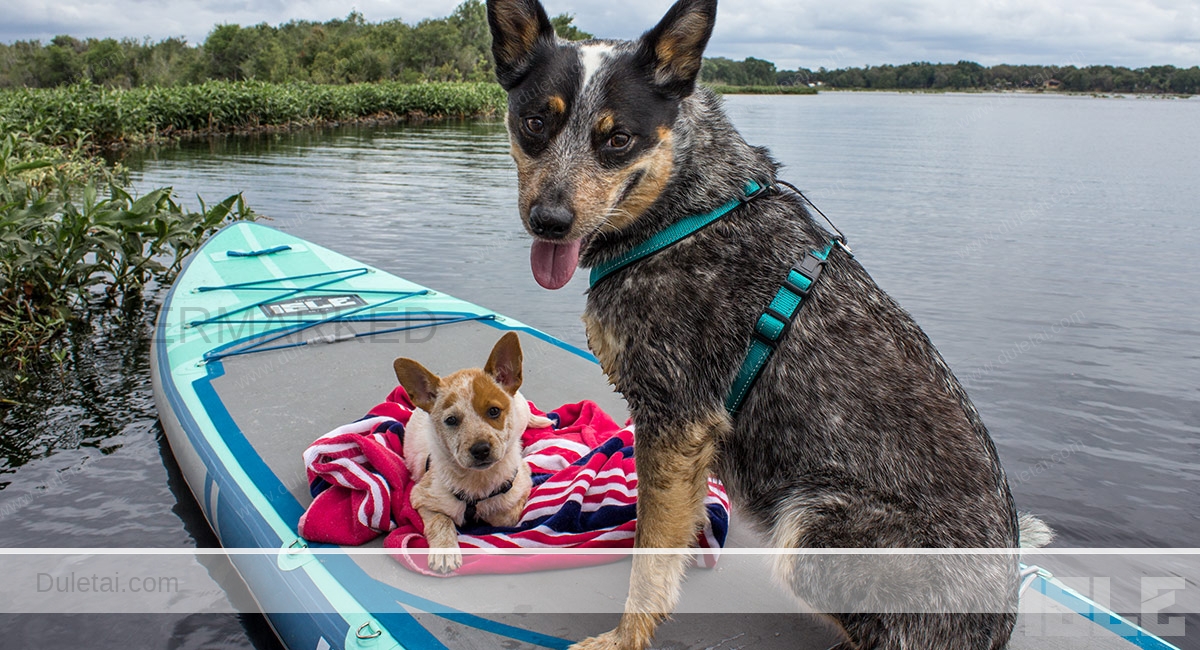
606, 641
444, 560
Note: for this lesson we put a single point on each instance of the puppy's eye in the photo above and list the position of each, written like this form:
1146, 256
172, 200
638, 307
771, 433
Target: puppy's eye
535, 125
451, 421
493, 412
620, 140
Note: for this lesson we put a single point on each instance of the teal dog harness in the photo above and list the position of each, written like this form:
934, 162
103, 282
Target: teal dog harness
774, 321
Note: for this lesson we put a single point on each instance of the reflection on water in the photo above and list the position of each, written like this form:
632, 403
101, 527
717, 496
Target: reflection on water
1046, 244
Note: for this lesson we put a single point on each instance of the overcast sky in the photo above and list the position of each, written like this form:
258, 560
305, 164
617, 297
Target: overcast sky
808, 33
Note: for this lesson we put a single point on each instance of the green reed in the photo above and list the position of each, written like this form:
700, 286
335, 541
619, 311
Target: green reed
140, 114
73, 240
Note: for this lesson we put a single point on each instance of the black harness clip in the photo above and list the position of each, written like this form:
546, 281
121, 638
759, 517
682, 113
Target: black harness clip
810, 267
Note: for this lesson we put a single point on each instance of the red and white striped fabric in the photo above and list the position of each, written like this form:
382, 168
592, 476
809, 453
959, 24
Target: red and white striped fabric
584, 494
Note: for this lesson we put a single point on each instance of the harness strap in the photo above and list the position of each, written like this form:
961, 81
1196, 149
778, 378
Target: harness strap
674, 233
472, 502
775, 321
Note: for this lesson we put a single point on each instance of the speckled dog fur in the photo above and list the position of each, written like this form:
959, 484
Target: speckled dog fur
856, 434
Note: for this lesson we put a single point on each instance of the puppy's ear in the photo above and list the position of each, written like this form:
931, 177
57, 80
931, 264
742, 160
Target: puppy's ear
504, 365
674, 49
518, 26
420, 384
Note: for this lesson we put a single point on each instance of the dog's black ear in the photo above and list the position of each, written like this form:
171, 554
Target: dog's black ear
674, 49
504, 365
420, 384
517, 27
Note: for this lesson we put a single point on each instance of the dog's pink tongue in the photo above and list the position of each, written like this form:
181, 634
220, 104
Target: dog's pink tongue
554, 264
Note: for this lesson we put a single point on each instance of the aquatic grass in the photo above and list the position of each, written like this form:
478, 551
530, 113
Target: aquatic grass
136, 115
72, 237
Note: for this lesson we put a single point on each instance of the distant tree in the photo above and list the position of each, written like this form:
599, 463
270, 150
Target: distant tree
105, 62
564, 28
1186, 81
269, 62
759, 72
230, 48
20, 63
750, 72
915, 75
169, 61
475, 41
63, 64
720, 70
432, 49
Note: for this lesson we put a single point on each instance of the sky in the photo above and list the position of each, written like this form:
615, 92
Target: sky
792, 33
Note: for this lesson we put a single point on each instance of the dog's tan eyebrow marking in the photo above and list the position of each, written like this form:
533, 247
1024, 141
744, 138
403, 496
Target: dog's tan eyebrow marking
605, 123
557, 104
484, 395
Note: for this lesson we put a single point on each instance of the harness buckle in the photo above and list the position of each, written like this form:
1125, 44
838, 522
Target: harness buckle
810, 267
762, 189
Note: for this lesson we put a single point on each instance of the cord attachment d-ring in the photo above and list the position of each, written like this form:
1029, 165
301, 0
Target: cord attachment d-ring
367, 636
368, 631
293, 555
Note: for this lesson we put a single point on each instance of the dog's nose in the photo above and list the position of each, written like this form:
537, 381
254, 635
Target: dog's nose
550, 221
481, 450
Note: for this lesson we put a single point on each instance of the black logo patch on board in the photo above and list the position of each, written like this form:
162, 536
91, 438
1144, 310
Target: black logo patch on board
311, 305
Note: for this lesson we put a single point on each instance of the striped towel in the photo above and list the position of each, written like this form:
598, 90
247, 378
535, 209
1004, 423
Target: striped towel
584, 493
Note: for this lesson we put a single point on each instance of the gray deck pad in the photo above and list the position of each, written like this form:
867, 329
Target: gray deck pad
735, 605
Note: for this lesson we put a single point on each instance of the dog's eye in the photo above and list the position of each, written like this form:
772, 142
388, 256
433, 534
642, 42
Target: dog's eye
620, 140
494, 412
451, 421
535, 125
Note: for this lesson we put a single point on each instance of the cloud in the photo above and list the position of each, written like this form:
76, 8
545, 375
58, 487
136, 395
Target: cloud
808, 33
815, 33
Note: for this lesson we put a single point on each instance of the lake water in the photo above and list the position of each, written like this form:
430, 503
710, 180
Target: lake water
1047, 244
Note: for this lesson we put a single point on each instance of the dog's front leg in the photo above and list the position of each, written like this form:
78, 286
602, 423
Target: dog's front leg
444, 556
440, 532
673, 467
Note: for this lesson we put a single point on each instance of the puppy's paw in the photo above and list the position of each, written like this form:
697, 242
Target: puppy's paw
607, 641
444, 560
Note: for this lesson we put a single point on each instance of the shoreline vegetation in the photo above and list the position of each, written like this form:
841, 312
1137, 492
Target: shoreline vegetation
726, 89
77, 249
114, 118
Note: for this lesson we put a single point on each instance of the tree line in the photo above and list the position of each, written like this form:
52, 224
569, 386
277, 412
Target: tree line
964, 75
349, 50
457, 48
968, 75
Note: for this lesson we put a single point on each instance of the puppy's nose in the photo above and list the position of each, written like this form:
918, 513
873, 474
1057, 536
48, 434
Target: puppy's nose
480, 451
552, 221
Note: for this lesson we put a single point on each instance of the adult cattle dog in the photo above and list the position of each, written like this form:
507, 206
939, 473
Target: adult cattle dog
856, 434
